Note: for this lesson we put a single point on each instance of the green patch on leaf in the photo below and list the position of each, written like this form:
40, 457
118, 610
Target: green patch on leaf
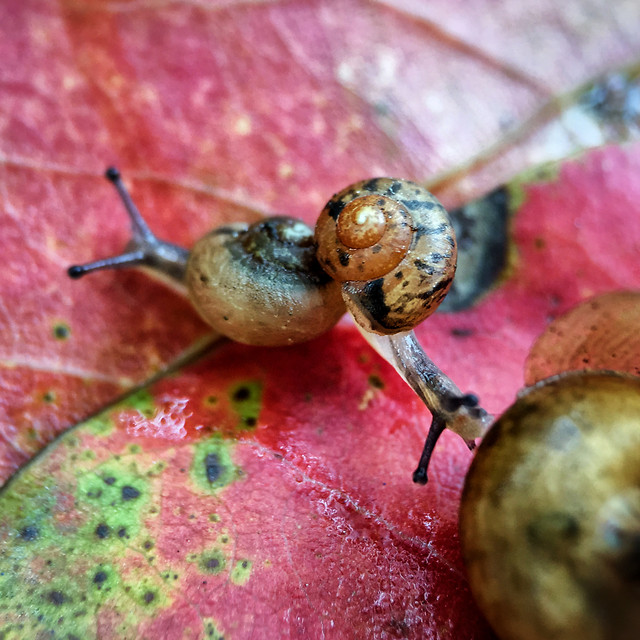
212, 467
210, 401
211, 631
241, 572
116, 499
246, 401
104, 581
101, 425
141, 401
516, 189
212, 561
25, 514
146, 593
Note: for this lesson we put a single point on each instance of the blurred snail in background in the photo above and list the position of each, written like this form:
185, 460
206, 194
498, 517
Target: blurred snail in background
550, 513
383, 248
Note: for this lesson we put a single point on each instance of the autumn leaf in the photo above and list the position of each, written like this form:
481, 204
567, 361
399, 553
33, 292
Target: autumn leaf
257, 492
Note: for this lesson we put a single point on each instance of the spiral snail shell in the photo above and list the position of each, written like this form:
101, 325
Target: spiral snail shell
391, 245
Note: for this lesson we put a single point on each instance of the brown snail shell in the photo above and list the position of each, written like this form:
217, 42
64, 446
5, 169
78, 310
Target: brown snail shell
550, 514
391, 245
261, 284
599, 333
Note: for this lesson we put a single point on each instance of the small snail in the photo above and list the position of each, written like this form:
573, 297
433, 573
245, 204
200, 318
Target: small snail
383, 248
550, 513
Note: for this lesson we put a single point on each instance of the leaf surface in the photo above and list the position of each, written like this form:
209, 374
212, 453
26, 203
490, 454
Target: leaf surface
229, 112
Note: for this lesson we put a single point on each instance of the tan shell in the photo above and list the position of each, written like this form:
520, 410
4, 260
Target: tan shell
550, 514
391, 244
261, 284
600, 333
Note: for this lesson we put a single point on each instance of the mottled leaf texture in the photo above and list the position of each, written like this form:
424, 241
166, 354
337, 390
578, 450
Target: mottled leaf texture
259, 493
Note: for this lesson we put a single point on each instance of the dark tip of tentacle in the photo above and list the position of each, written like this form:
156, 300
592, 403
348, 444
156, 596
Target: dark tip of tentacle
76, 271
112, 174
420, 476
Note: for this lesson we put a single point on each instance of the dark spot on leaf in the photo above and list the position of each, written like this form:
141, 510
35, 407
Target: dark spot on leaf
213, 468
149, 597
103, 530
241, 393
99, 577
462, 332
130, 493
109, 480
376, 382
148, 545
56, 597
49, 396
30, 532
212, 562
122, 532
250, 421
61, 331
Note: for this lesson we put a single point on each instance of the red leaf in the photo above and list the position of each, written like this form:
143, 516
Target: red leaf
230, 112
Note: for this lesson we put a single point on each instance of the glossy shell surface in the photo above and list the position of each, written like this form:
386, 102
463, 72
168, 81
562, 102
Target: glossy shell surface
550, 514
261, 284
391, 244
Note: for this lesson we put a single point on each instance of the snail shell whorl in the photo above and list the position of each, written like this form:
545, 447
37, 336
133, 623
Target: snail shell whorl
391, 244
262, 284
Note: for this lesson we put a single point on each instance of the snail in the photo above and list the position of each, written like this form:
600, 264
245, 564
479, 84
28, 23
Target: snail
384, 249
550, 512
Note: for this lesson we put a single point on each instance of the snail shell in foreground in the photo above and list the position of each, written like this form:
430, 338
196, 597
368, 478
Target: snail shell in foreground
550, 514
391, 245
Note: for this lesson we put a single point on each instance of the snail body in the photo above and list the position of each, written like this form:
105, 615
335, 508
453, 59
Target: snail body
384, 249
262, 284
550, 513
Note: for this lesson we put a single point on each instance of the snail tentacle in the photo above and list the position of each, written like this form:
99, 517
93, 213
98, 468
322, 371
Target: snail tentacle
450, 408
143, 249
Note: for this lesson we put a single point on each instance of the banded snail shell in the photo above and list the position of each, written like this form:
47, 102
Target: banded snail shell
391, 244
